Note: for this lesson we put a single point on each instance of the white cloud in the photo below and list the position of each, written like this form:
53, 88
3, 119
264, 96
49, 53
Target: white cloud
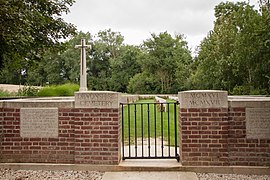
136, 19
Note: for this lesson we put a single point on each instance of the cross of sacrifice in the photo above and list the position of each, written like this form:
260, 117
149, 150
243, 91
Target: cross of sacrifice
83, 75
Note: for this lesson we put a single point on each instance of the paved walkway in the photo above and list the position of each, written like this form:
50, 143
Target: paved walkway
149, 175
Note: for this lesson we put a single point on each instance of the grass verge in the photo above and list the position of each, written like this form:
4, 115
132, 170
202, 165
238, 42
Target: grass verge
150, 122
59, 90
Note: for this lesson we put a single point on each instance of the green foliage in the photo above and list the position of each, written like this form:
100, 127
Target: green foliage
246, 90
28, 91
106, 48
59, 90
6, 93
166, 58
235, 55
124, 67
59, 67
143, 83
27, 30
240, 90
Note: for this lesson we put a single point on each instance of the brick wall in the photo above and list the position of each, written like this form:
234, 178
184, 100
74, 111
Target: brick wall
97, 136
208, 137
243, 151
217, 137
1, 131
79, 139
204, 134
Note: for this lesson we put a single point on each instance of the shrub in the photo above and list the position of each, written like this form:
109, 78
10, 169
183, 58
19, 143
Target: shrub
247, 90
5, 93
28, 91
59, 90
240, 90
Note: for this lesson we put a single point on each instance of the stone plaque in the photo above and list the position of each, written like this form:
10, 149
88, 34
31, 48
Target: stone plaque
203, 99
258, 123
96, 99
39, 122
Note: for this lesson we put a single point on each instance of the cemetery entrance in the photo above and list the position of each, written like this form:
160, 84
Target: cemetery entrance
150, 130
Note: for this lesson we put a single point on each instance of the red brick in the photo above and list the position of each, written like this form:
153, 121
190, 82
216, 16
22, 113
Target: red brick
194, 114
183, 110
239, 109
214, 110
195, 154
194, 136
185, 114
194, 110
106, 110
9, 110
205, 114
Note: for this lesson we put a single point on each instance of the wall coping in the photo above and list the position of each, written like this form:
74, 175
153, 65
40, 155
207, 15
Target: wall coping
68, 102
249, 101
61, 102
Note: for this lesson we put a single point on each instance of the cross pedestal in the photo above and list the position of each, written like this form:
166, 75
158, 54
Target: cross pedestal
83, 74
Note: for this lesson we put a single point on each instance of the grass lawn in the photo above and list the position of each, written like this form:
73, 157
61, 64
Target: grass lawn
150, 122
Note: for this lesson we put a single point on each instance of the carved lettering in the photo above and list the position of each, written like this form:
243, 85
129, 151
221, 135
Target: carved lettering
39, 122
201, 99
258, 123
96, 100
204, 99
95, 97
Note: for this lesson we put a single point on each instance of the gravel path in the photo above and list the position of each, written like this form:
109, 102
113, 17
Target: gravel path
212, 176
8, 174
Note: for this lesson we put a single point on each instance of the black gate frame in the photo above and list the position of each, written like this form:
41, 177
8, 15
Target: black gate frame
161, 108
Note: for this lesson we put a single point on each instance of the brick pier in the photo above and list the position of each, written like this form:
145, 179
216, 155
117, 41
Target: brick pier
214, 130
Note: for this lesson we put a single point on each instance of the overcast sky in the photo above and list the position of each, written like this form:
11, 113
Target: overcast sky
137, 19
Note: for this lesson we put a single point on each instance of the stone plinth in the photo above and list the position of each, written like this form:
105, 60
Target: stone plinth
203, 124
96, 99
203, 99
97, 127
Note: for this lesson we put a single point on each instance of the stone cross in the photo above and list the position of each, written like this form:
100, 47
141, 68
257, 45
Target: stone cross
83, 75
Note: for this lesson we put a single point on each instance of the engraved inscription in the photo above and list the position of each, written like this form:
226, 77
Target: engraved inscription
39, 122
258, 123
96, 100
203, 99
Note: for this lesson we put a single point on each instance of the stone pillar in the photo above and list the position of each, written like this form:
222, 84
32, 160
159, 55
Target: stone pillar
97, 128
203, 122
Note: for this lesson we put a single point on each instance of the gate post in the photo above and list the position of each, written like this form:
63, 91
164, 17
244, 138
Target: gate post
203, 125
97, 127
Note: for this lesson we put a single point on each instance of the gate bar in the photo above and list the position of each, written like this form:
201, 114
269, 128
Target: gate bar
135, 120
162, 121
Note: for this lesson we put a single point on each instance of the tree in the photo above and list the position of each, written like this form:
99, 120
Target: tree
143, 83
163, 56
27, 29
106, 47
58, 67
124, 67
234, 54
